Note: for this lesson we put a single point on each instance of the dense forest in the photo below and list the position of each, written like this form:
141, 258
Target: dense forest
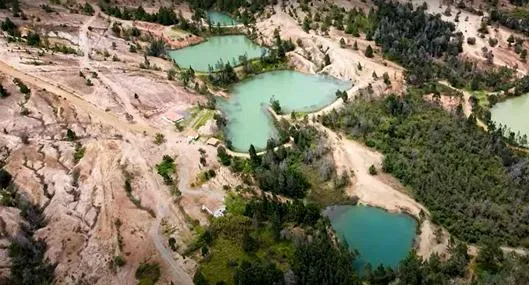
165, 16
414, 38
231, 6
472, 183
267, 242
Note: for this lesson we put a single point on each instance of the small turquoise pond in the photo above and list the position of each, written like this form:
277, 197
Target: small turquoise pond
221, 19
513, 112
225, 48
248, 119
379, 236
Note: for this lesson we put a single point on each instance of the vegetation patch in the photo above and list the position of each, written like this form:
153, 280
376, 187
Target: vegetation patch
467, 178
148, 273
202, 117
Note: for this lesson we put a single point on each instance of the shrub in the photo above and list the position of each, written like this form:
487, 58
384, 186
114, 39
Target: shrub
119, 261
166, 168
148, 273
70, 135
471, 41
159, 139
275, 106
3, 92
373, 170
369, 51
493, 42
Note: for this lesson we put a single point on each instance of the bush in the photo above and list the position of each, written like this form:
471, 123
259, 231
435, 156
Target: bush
471, 41
3, 92
70, 135
166, 168
148, 273
118, 261
369, 51
5, 178
275, 106
223, 156
373, 170
493, 42
157, 48
159, 139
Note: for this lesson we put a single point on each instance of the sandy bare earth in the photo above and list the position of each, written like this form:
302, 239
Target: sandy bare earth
381, 190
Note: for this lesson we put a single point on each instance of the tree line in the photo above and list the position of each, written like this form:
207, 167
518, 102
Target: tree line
165, 16
471, 181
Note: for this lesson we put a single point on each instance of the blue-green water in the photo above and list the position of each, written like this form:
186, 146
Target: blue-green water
248, 120
380, 237
225, 48
221, 19
513, 112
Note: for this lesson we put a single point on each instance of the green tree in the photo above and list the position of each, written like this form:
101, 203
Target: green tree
71, 135
326, 59
33, 39
254, 158
342, 43
490, 255
387, 81
157, 48
258, 274
3, 92
223, 156
369, 51
276, 106
373, 170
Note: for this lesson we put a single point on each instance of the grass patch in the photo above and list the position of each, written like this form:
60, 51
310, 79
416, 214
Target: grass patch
280, 253
235, 204
482, 97
225, 254
201, 118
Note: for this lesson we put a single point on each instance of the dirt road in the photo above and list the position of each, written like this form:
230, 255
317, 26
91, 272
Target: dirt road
103, 117
178, 274
71, 95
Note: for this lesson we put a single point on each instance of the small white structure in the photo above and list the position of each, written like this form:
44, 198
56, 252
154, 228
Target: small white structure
218, 212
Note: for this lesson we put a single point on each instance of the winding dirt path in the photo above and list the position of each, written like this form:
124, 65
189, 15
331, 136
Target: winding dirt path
178, 274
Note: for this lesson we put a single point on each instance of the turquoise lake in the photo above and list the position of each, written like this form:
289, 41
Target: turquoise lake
513, 112
379, 236
218, 18
225, 48
248, 119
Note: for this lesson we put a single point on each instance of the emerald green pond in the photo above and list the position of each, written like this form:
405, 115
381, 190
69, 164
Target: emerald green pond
221, 19
513, 112
380, 237
225, 48
248, 120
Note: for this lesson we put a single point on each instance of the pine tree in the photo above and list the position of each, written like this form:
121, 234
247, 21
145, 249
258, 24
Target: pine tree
369, 51
327, 59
